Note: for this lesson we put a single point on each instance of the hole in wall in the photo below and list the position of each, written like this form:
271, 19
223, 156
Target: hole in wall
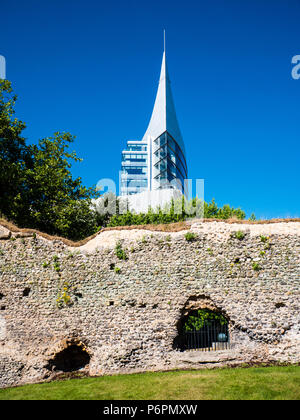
2, 308
202, 326
70, 359
26, 291
279, 305
78, 295
1, 296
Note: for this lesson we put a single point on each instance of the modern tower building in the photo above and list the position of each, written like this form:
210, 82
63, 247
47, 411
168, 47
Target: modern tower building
157, 162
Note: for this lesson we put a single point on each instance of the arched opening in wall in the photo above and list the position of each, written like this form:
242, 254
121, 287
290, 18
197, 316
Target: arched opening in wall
203, 329
70, 359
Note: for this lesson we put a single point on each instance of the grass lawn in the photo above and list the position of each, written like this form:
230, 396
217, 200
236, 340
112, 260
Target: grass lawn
256, 383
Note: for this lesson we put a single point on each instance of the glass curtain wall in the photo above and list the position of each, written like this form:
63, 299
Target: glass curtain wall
169, 163
134, 174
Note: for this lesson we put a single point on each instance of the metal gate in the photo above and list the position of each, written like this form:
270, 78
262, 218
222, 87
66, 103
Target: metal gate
212, 336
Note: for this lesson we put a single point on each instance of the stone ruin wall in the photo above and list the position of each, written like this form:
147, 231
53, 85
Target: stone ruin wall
124, 314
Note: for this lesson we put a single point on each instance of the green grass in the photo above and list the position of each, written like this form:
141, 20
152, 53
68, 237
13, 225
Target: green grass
256, 383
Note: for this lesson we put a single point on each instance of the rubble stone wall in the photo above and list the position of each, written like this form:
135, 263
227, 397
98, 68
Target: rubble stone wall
125, 313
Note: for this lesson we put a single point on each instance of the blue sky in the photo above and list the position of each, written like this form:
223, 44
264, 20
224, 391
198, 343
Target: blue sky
92, 68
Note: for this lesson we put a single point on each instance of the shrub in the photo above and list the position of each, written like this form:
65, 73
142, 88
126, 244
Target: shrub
239, 235
256, 266
176, 211
203, 316
64, 296
120, 253
263, 239
56, 266
190, 236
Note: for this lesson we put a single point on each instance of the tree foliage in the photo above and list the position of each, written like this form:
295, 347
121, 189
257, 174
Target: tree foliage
15, 156
37, 188
58, 202
176, 211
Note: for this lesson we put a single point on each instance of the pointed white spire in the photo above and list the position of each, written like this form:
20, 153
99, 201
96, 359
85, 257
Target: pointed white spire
164, 115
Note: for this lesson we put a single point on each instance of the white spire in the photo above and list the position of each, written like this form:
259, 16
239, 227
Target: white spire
164, 115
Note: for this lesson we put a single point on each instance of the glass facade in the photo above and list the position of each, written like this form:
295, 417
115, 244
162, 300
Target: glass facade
169, 165
165, 168
157, 161
134, 172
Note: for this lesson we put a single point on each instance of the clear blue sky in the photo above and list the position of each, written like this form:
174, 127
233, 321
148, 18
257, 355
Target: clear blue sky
92, 67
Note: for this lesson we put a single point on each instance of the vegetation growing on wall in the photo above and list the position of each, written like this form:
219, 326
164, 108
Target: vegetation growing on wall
120, 252
64, 297
238, 235
190, 236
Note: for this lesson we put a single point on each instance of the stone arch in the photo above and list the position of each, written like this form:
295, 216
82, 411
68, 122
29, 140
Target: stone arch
218, 331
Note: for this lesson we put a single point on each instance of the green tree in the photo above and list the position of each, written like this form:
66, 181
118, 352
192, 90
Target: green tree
211, 210
37, 189
15, 156
58, 204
